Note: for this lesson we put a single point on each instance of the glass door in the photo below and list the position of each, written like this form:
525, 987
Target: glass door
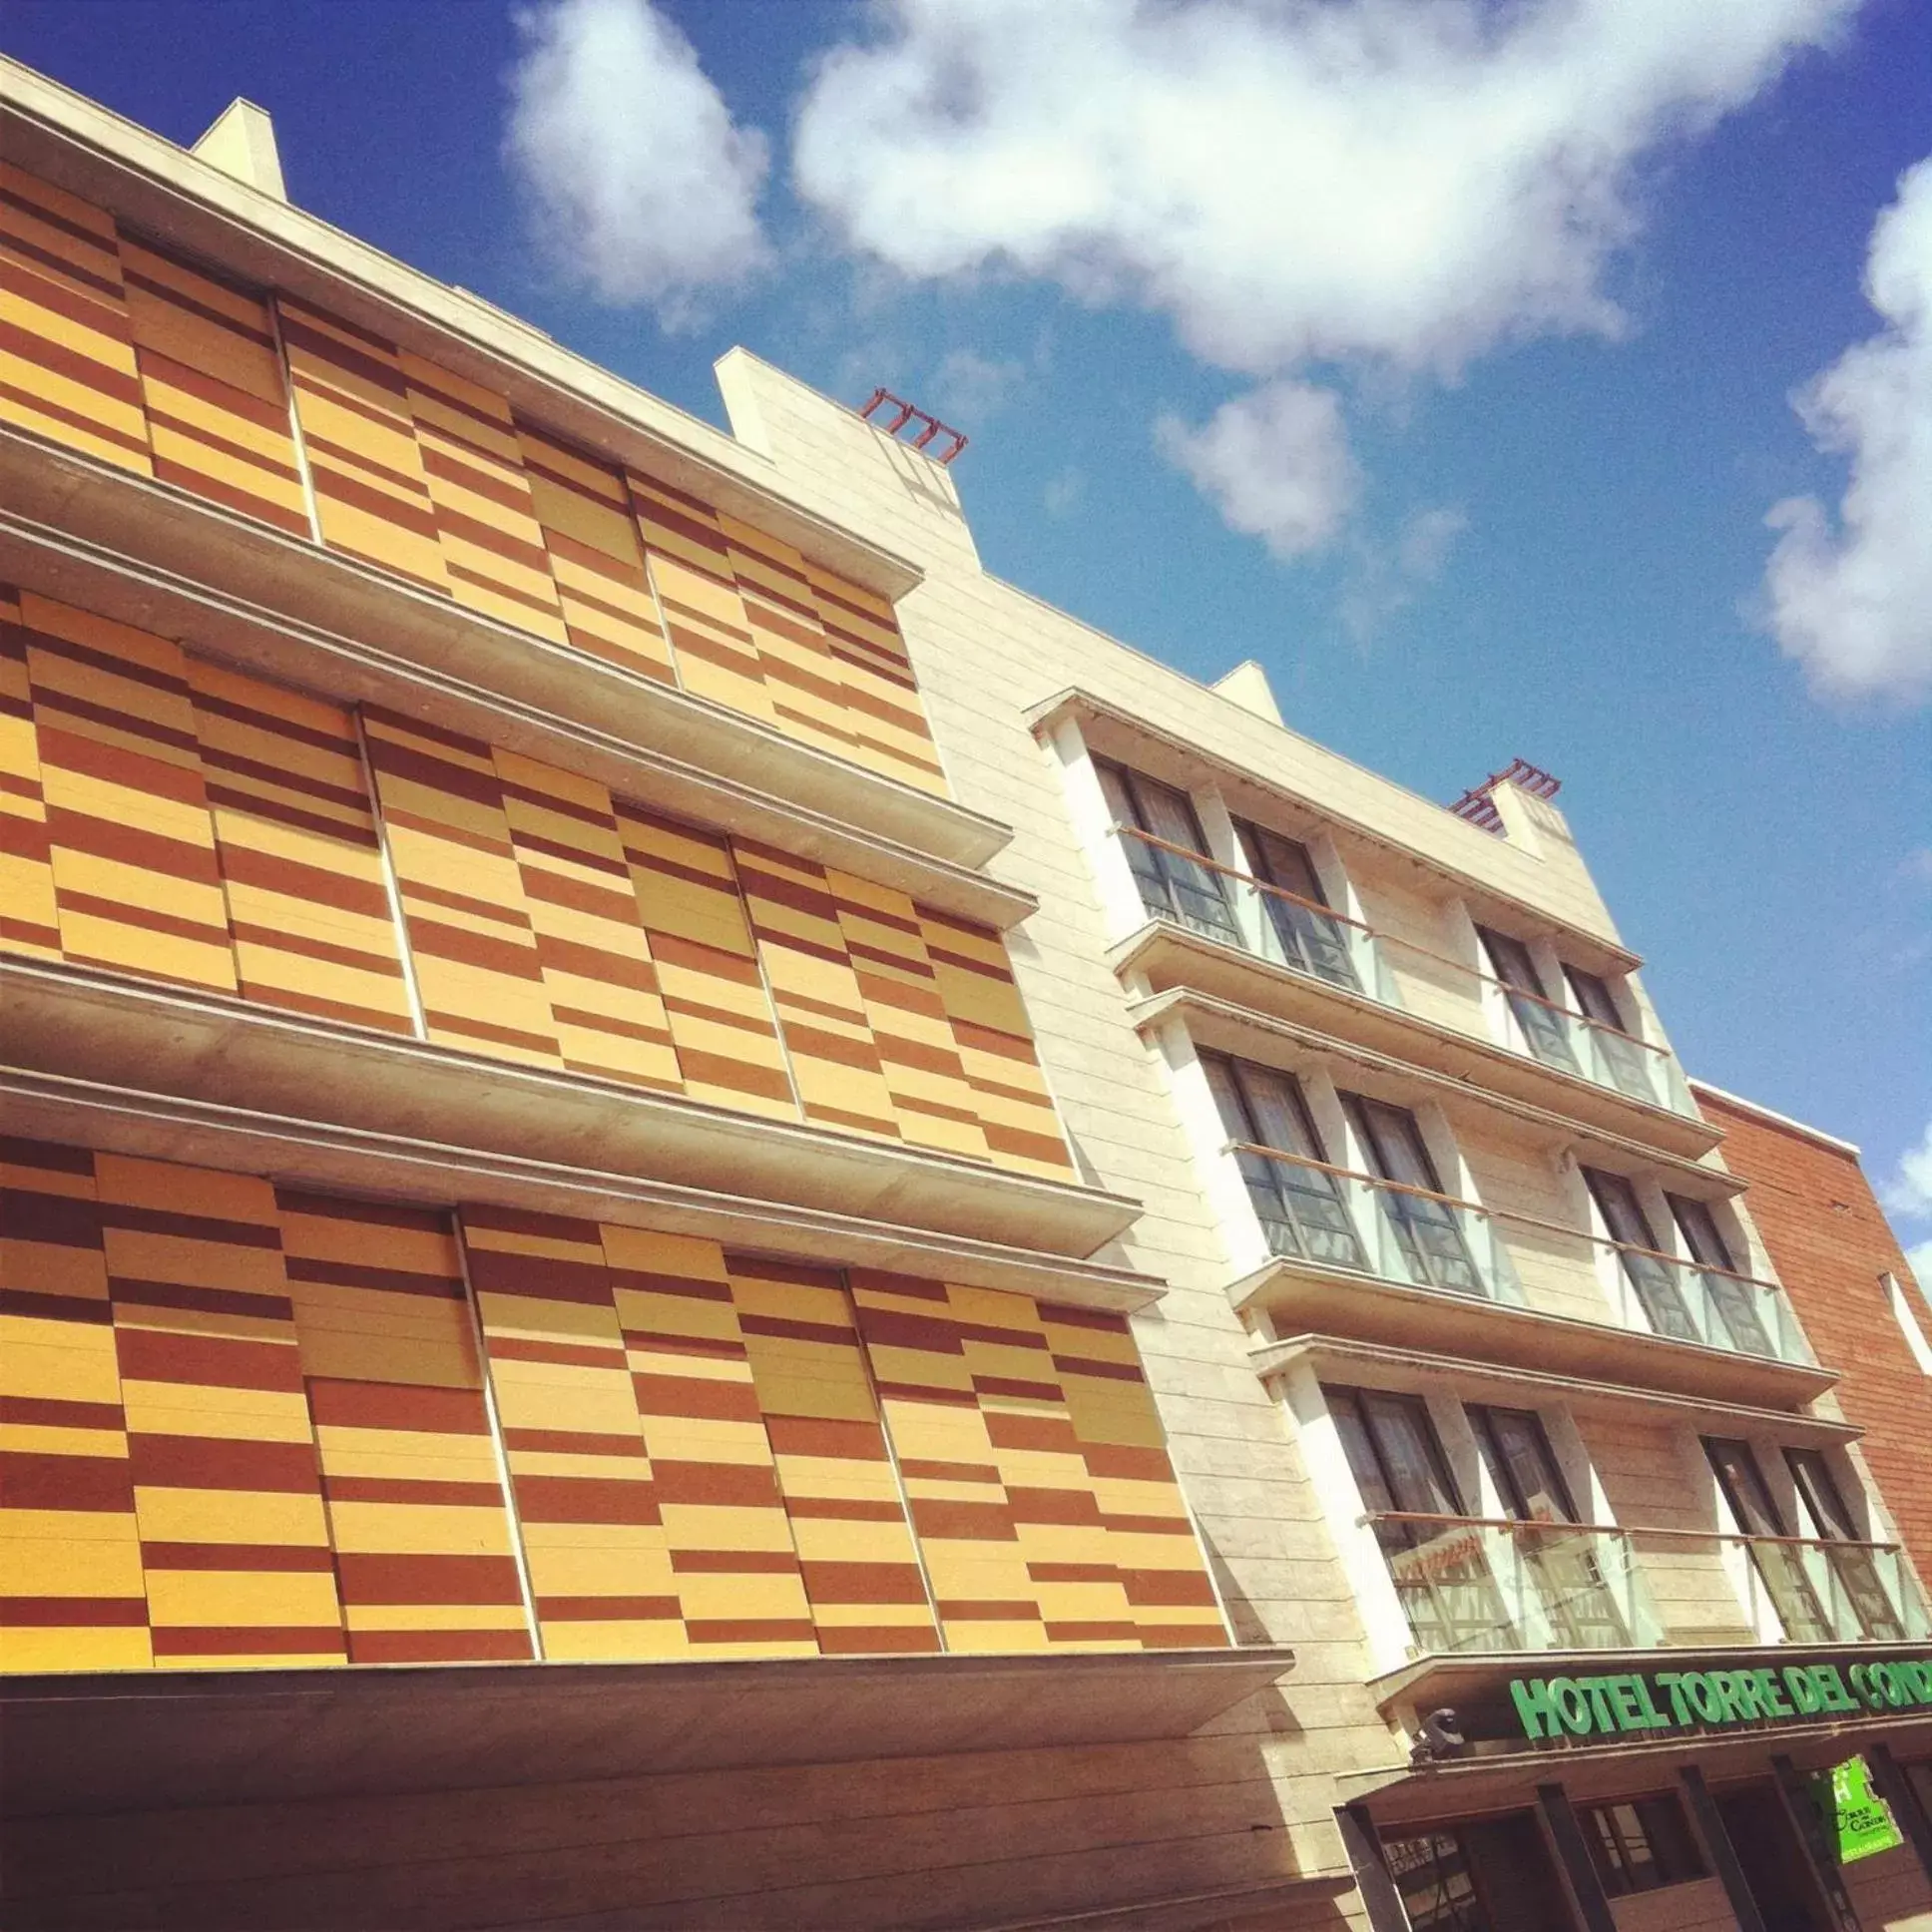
1775, 1554
1559, 1560
1543, 1028
1651, 1279
1852, 1568
1312, 940
1173, 884
1736, 1301
1301, 1209
1427, 1232
1616, 1051
1441, 1569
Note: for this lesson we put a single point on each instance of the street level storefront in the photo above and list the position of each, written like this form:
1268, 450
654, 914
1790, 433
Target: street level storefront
1775, 1790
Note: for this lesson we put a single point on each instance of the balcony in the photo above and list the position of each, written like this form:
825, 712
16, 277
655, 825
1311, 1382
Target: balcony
1367, 1259
1221, 932
1470, 1585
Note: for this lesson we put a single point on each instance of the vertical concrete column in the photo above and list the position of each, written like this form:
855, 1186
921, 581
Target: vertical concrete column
1724, 1854
1573, 1858
1364, 1844
1809, 1827
1899, 1793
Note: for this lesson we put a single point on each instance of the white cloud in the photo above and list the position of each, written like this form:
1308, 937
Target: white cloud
967, 387
1276, 461
1909, 1192
1851, 598
1383, 580
1064, 492
1919, 1260
1412, 181
640, 187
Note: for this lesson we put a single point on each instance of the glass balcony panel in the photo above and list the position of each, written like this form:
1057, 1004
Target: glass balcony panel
1174, 886
1472, 1585
1686, 1302
1302, 1213
1303, 937
1545, 1031
1616, 1060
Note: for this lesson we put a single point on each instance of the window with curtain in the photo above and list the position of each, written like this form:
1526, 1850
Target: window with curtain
1440, 1570
1301, 1209
1778, 1563
1653, 1281
1543, 1028
1562, 1565
1736, 1301
1618, 1051
1311, 938
1173, 884
1428, 1233
1824, 1514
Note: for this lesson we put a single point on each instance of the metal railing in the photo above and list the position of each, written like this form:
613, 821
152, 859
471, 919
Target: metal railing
1471, 1583
1222, 902
1336, 1217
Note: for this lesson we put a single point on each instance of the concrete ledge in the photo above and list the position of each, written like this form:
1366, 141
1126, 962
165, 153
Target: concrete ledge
309, 1153
1171, 958
1299, 1297
68, 514
120, 1029
104, 1742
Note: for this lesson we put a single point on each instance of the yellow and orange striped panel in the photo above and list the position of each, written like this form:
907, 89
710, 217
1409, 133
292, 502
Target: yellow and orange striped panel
815, 990
211, 388
1046, 1511
353, 402
137, 880
471, 935
715, 1002
607, 1008
29, 912
848, 1522
73, 1595
67, 359
884, 715
300, 861
424, 1561
593, 1536
995, 1042
486, 517
233, 1536
596, 556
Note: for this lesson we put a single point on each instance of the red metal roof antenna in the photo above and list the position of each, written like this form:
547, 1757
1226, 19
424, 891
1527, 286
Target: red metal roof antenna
1479, 808
932, 428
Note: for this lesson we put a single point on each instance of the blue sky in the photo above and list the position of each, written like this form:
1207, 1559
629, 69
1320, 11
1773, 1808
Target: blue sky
1583, 499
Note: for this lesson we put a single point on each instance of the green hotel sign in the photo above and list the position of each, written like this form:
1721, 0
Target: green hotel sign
1641, 1703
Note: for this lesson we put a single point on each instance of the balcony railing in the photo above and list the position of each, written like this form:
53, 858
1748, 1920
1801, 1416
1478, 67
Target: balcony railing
1337, 1217
1220, 903
1470, 1584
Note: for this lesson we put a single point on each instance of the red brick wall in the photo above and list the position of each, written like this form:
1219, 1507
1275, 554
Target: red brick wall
1829, 1242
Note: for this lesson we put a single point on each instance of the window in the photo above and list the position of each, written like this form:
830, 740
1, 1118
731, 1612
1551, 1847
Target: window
1853, 1573
1560, 1565
1907, 1316
1301, 1208
1433, 1878
1638, 1254
1439, 1566
1311, 939
1641, 1845
1168, 863
1734, 1300
1427, 1232
1542, 1023
1778, 1561
1618, 1052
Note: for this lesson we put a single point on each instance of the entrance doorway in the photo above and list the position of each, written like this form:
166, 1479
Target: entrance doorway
1492, 1875
1773, 1862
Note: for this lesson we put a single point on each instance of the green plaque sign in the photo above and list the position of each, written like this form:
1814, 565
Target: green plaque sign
1856, 1819
1644, 1703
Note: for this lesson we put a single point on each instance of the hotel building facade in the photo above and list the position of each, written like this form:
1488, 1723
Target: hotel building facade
709, 1222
